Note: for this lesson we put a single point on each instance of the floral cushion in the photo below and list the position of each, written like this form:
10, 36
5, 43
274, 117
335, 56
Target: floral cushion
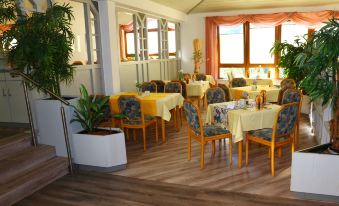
287, 119
213, 130
173, 87
238, 82
192, 117
215, 95
288, 84
160, 85
147, 118
149, 86
266, 134
290, 96
226, 91
130, 107
200, 77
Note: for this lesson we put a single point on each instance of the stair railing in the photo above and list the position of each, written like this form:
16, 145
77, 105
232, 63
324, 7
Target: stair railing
26, 79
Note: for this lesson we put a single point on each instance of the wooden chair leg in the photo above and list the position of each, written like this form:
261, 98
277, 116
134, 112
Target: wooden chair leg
127, 133
213, 147
156, 132
135, 135
202, 156
144, 137
272, 160
189, 145
279, 151
231, 159
269, 153
246, 151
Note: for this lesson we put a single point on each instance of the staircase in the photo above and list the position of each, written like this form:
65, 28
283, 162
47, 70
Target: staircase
24, 169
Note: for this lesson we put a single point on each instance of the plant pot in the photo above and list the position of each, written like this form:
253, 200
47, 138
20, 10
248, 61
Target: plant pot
49, 123
104, 153
315, 172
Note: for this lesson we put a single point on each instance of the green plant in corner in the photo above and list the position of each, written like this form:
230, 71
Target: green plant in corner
7, 11
40, 45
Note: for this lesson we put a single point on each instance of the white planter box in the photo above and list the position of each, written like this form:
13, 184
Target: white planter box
315, 173
105, 152
49, 123
306, 105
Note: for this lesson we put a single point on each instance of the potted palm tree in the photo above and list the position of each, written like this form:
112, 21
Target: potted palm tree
97, 148
315, 170
40, 46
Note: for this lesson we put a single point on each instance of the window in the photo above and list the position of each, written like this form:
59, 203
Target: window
262, 39
262, 73
171, 40
291, 31
231, 45
227, 73
152, 35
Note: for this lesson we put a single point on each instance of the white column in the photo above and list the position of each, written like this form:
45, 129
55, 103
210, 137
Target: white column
109, 46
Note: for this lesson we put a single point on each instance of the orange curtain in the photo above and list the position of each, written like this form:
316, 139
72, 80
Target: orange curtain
122, 30
211, 24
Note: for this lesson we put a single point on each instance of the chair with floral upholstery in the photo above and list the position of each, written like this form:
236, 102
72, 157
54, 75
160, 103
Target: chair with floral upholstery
149, 86
215, 95
238, 82
200, 77
284, 85
280, 135
226, 91
160, 85
131, 107
203, 133
183, 87
175, 87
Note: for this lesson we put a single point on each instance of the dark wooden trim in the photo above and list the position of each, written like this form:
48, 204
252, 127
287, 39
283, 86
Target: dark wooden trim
247, 48
218, 39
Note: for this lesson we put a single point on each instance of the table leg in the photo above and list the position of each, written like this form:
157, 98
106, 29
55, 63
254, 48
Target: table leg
240, 143
163, 130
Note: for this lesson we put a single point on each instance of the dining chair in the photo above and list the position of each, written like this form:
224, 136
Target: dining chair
131, 107
203, 133
183, 87
238, 82
175, 87
284, 85
187, 77
160, 85
226, 91
149, 86
280, 135
200, 77
215, 95
290, 96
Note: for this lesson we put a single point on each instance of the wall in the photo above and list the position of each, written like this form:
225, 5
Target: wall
194, 27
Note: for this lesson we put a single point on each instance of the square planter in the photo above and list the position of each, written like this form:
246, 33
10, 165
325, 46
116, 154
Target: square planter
104, 153
315, 174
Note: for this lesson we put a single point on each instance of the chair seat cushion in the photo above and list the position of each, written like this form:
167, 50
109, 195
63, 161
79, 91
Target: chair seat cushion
266, 134
147, 119
213, 130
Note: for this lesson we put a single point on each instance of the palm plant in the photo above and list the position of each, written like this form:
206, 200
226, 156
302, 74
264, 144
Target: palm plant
7, 11
40, 45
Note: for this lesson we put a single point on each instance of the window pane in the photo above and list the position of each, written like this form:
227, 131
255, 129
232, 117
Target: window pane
152, 35
225, 73
130, 43
126, 36
231, 44
281, 73
291, 31
171, 39
262, 73
262, 39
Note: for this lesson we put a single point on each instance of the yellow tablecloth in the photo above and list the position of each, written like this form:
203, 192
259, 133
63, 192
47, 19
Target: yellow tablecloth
260, 81
272, 92
210, 79
157, 104
242, 120
197, 88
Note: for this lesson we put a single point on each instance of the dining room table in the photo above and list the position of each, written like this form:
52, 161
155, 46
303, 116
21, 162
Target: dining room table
154, 104
197, 89
239, 119
272, 92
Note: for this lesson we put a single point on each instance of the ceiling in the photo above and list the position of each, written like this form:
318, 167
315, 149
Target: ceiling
187, 6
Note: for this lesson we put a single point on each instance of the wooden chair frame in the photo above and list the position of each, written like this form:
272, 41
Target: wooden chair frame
273, 144
144, 124
203, 140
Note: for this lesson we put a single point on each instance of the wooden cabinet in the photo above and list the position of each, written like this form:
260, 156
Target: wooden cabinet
12, 100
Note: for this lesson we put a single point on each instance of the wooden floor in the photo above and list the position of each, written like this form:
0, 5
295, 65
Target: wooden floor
102, 189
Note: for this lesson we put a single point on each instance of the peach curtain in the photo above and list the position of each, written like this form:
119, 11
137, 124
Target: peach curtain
211, 24
122, 30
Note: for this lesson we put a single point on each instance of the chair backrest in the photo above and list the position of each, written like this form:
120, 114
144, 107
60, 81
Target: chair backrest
149, 86
286, 120
200, 77
173, 87
183, 87
215, 95
288, 83
226, 91
290, 96
187, 77
130, 106
160, 85
193, 117
238, 82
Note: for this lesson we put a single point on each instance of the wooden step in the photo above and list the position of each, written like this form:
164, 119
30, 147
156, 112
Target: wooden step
18, 163
33, 180
13, 144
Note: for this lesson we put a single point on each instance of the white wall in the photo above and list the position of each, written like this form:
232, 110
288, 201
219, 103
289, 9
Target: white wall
194, 27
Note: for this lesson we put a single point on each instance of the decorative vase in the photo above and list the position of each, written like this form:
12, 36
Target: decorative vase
259, 102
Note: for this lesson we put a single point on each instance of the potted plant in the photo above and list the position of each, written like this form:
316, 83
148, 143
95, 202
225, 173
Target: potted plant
315, 170
97, 148
40, 46
197, 55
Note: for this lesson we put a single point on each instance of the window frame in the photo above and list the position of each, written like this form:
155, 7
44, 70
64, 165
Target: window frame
247, 64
